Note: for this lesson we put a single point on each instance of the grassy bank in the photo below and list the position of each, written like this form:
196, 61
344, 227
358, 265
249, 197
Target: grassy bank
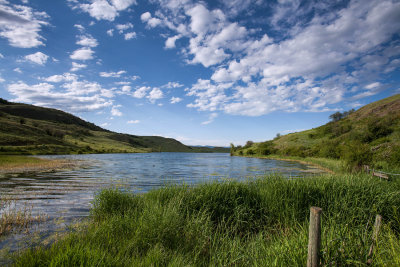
261, 222
19, 164
331, 166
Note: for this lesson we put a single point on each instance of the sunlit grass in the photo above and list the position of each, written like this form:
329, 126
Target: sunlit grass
261, 222
19, 164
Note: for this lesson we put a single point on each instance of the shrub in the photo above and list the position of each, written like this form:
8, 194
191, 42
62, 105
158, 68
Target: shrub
248, 144
250, 152
356, 154
329, 149
266, 148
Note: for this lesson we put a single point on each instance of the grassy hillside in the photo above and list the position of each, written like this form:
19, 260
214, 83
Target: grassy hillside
370, 135
28, 129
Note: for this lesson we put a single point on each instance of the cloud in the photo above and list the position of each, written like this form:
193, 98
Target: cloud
123, 4
172, 85
47, 95
130, 35
306, 71
210, 119
17, 70
2, 80
155, 94
151, 21
133, 122
79, 27
145, 16
141, 92
87, 40
66, 77
112, 74
21, 25
123, 27
104, 9
175, 100
373, 85
110, 32
115, 111
37, 58
77, 66
126, 88
1, 55
84, 53
170, 42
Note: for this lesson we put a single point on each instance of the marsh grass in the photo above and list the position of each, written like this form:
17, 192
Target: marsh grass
16, 218
20, 164
261, 222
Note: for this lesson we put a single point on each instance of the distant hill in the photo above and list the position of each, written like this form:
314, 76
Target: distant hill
28, 129
370, 135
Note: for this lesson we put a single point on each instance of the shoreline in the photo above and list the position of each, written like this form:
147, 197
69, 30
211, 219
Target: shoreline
302, 161
24, 164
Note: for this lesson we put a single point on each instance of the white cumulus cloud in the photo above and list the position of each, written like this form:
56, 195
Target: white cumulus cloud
175, 100
21, 25
105, 9
155, 94
87, 40
77, 66
84, 53
37, 58
130, 35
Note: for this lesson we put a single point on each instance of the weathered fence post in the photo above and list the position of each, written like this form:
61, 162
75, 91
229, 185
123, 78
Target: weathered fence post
314, 237
377, 226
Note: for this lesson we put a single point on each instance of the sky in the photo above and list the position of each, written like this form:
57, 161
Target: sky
202, 72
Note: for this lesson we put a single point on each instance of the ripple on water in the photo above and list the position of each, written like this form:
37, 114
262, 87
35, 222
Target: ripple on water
66, 196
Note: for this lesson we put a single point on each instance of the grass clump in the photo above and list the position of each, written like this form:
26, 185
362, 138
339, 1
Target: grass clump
16, 218
261, 222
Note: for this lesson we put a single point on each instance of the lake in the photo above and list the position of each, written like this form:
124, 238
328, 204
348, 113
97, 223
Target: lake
65, 196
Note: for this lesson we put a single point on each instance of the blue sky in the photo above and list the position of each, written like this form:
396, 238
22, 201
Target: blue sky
203, 72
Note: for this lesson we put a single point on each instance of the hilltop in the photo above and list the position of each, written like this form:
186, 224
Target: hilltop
29, 129
370, 135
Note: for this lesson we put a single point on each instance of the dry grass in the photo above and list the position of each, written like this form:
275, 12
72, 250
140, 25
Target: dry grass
16, 218
20, 164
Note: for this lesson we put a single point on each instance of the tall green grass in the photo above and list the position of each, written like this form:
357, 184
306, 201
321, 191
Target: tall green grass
261, 222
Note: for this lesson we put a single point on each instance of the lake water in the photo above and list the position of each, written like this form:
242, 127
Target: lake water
66, 196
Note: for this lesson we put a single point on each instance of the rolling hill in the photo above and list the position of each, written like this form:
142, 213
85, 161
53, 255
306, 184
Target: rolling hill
28, 129
370, 135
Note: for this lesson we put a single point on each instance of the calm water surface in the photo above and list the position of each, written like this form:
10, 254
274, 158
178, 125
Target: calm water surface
66, 196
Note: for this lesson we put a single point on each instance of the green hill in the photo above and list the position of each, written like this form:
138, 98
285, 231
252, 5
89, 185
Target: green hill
28, 129
370, 135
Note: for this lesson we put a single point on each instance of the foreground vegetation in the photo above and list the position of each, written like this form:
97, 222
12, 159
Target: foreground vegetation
261, 222
28, 129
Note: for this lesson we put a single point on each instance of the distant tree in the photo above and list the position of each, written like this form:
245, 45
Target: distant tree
232, 149
249, 144
336, 116
278, 135
347, 113
22, 121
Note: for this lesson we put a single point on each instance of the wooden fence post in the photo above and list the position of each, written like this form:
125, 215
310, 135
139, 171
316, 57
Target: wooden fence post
377, 226
314, 237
